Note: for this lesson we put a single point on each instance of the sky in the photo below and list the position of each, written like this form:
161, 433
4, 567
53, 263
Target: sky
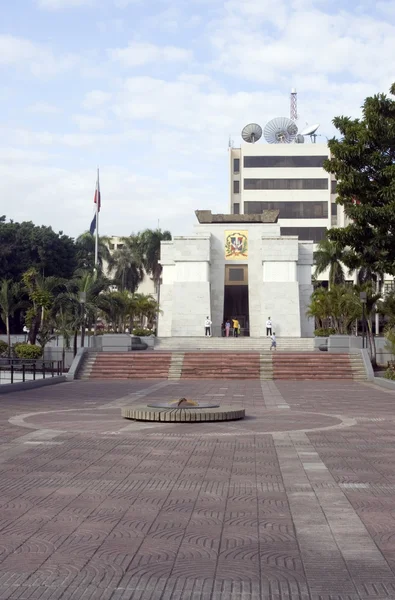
151, 91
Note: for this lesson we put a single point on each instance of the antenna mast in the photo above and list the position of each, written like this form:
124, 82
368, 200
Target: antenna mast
294, 105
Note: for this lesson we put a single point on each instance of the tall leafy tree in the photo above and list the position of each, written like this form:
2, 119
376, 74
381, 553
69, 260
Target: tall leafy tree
41, 292
330, 255
25, 245
10, 302
363, 162
126, 264
149, 241
85, 251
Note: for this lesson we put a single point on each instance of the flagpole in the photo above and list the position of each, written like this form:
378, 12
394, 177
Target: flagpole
97, 223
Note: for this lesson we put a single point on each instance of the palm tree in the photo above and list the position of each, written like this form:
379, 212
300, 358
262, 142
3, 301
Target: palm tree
119, 309
83, 310
85, 245
41, 291
127, 264
329, 254
10, 302
150, 240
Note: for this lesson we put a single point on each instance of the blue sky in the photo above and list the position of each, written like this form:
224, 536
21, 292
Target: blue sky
151, 92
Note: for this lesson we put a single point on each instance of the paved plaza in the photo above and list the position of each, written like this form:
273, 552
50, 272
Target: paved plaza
296, 502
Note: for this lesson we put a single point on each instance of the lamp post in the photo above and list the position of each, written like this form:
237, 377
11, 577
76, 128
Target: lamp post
363, 298
82, 302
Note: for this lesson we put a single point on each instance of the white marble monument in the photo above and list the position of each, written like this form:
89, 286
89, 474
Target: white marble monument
236, 266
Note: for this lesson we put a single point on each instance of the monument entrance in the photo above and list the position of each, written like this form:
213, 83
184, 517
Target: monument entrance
236, 296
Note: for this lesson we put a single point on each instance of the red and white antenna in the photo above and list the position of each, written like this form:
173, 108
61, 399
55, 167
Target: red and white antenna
294, 105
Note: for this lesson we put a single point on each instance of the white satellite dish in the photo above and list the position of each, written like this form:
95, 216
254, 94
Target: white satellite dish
310, 129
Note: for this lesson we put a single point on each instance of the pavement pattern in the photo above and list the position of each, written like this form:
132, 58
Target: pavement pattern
296, 502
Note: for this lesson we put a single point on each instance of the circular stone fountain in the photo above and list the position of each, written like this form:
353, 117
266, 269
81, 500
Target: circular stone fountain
183, 411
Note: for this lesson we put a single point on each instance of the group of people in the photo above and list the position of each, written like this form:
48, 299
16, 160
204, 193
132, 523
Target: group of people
226, 327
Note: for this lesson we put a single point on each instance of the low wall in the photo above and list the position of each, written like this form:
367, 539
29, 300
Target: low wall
6, 388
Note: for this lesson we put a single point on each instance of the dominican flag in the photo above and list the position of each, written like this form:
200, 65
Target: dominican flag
97, 201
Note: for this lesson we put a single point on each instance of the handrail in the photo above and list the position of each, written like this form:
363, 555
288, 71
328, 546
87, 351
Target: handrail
15, 366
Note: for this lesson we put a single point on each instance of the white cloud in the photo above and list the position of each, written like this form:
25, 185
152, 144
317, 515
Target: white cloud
89, 122
137, 54
62, 4
270, 42
95, 99
36, 58
44, 108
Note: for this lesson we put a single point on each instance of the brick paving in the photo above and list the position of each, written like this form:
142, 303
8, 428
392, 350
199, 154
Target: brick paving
296, 502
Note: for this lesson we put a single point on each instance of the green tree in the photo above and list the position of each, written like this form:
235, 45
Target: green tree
338, 307
149, 241
25, 245
329, 254
85, 251
127, 264
41, 292
363, 162
10, 302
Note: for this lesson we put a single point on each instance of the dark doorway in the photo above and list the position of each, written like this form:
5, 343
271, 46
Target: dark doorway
236, 296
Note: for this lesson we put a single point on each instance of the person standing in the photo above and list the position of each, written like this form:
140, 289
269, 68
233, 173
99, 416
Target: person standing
269, 326
207, 326
236, 326
227, 328
274, 341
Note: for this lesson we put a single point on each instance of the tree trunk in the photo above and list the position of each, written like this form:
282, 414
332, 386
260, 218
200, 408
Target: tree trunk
75, 341
372, 344
8, 335
34, 328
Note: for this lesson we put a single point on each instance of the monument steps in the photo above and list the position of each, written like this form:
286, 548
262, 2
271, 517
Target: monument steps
199, 365
231, 344
131, 365
306, 366
225, 365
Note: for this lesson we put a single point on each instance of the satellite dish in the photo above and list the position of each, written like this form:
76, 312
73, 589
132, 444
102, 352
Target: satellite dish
310, 129
251, 133
280, 130
299, 139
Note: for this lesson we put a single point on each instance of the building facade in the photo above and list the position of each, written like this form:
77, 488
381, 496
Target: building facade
236, 266
289, 178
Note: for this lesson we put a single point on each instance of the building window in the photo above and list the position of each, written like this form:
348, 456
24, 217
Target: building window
236, 187
259, 162
334, 210
112, 246
236, 208
290, 210
314, 234
236, 274
236, 165
285, 184
389, 286
120, 246
333, 186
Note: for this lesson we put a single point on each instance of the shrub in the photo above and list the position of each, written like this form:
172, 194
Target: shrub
3, 348
141, 332
27, 351
390, 372
324, 332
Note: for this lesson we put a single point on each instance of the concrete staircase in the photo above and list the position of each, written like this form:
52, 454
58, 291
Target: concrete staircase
86, 366
357, 366
131, 365
266, 366
297, 366
206, 365
176, 364
311, 366
231, 344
